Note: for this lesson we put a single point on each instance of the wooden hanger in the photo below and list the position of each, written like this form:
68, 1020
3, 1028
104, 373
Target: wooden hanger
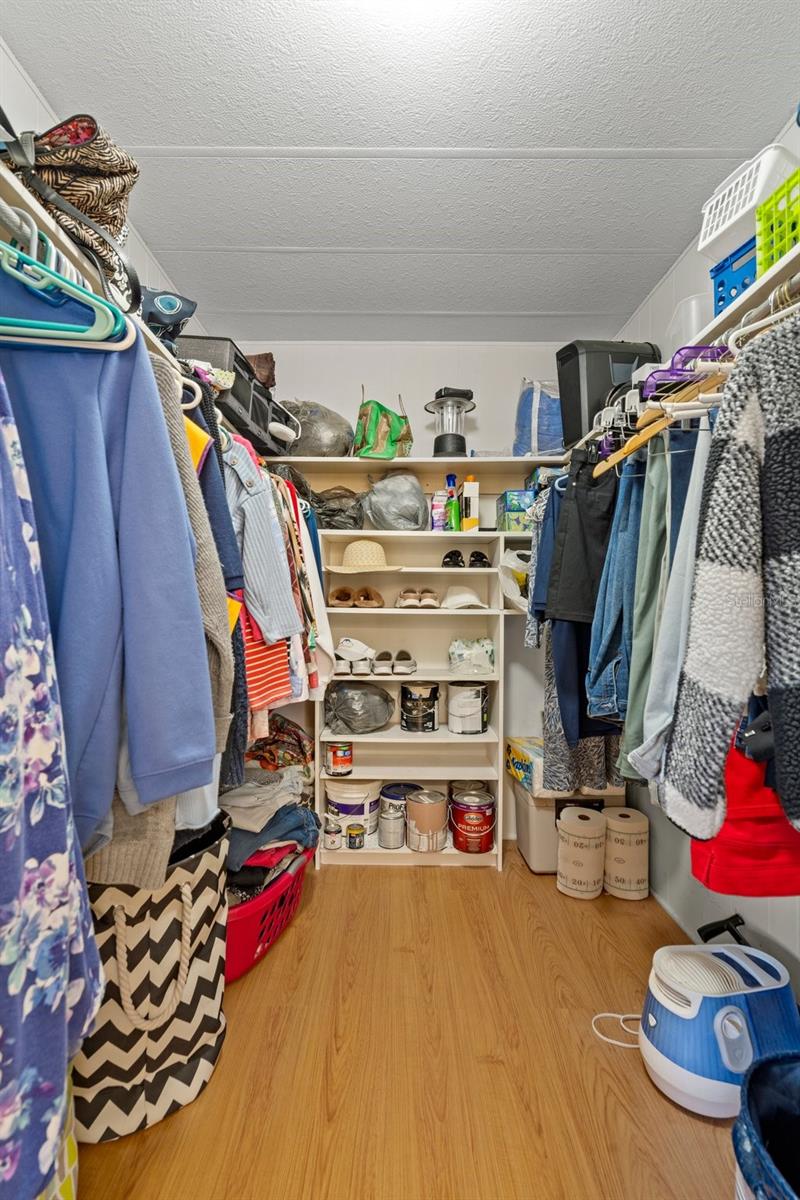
693, 389
709, 383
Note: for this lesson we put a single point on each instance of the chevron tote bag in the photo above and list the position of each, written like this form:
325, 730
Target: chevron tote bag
161, 1026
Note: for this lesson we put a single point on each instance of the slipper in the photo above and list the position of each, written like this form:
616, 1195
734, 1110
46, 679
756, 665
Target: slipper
428, 598
453, 558
382, 663
409, 598
404, 664
367, 597
478, 559
341, 597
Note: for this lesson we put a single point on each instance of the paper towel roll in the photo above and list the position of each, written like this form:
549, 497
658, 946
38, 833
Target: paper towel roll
581, 852
626, 866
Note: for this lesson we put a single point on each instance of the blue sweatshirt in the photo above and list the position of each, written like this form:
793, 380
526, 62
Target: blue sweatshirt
117, 561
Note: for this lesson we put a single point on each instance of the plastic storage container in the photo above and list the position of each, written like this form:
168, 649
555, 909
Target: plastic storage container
778, 223
729, 216
691, 315
733, 275
587, 371
248, 405
258, 923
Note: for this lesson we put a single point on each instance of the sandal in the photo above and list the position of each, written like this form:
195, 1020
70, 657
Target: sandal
453, 558
478, 559
428, 598
367, 597
382, 663
404, 664
341, 597
409, 598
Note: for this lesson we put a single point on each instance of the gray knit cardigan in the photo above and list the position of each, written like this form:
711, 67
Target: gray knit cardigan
745, 610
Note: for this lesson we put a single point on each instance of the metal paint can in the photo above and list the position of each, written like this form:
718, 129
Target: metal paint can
419, 707
392, 830
472, 820
426, 820
338, 758
332, 837
458, 786
468, 708
394, 795
356, 835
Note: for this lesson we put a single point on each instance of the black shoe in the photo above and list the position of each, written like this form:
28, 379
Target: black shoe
454, 558
478, 559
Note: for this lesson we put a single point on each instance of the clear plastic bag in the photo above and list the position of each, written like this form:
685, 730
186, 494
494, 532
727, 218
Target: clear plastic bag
357, 707
538, 428
472, 656
514, 570
397, 501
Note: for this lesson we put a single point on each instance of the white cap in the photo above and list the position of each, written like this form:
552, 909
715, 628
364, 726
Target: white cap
459, 596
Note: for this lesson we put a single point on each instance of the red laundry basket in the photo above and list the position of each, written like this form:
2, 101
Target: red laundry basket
257, 924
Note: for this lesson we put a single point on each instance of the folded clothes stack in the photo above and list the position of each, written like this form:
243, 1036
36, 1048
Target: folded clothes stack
292, 823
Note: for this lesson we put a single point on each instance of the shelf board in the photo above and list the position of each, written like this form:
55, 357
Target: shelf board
388, 770
756, 294
373, 855
513, 612
458, 466
440, 535
458, 572
425, 674
415, 612
394, 735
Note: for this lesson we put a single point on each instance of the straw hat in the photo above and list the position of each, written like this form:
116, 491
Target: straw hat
365, 557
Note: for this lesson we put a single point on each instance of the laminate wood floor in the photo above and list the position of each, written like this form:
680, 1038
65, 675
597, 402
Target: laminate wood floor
424, 1034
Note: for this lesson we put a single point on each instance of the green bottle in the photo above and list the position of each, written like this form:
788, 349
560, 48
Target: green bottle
452, 511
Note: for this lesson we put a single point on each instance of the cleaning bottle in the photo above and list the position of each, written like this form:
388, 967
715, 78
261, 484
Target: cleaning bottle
452, 509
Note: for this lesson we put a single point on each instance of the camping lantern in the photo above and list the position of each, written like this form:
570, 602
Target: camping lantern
450, 406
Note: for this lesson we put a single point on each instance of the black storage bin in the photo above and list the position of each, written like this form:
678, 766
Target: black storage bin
587, 371
248, 406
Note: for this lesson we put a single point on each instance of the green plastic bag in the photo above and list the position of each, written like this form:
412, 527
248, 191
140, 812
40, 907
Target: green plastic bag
381, 432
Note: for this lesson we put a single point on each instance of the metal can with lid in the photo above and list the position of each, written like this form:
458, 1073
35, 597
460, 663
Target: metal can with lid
392, 830
419, 707
332, 836
338, 758
426, 817
394, 796
356, 835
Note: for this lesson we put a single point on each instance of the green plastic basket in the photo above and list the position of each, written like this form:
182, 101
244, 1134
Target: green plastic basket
778, 223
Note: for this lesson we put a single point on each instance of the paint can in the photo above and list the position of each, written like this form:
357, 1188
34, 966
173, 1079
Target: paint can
419, 707
426, 820
394, 795
338, 758
356, 836
468, 708
466, 785
392, 830
472, 820
332, 836
353, 800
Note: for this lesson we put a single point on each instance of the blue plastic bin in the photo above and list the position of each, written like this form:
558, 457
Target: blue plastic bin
733, 275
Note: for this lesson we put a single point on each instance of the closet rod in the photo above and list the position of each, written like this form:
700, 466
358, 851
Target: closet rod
18, 196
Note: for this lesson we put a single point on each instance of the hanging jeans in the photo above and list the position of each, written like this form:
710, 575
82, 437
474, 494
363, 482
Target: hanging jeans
649, 595
681, 446
612, 628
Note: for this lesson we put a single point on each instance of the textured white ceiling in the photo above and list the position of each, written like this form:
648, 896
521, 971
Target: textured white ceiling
477, 169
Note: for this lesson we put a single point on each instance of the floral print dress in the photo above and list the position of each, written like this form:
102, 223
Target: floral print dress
50, 975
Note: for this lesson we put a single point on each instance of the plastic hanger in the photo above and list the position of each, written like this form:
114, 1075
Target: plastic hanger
745, 331
108, 320
194, 387
75, 344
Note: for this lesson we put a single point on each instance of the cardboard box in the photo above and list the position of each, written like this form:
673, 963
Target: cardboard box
469, 504
512, 511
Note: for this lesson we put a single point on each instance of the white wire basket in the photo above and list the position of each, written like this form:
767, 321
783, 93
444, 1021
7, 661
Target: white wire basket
729, 216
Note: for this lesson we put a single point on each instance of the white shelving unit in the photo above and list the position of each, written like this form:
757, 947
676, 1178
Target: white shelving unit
392, 754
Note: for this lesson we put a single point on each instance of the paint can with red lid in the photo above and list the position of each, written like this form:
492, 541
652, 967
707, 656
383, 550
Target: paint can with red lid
472, 821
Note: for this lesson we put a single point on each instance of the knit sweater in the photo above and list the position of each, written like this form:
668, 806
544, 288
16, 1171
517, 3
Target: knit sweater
208, 573
745, 608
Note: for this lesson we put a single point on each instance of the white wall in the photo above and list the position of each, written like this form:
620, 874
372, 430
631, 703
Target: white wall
28, 109
332, 373
773, 923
